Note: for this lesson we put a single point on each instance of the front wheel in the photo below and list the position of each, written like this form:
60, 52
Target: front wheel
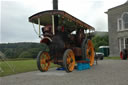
43, 61
69, 60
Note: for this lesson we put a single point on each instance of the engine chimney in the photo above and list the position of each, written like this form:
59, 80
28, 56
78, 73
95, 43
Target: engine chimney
55, 4
55, 7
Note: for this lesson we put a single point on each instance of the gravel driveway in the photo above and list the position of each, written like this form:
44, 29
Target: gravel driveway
107, 72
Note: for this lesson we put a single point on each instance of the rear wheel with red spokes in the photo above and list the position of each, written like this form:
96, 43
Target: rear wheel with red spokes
123, 54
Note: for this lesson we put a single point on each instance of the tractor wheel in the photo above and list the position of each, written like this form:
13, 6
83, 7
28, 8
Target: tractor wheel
88, 50
123, 54
69, 60
43, 61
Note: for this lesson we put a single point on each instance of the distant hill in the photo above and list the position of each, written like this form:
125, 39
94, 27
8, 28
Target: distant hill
100, 33
21, 50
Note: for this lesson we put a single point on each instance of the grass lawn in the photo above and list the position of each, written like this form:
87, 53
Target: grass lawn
112, 58
18, 66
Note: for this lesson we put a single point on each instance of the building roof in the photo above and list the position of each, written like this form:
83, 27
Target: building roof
126, 1
70, 21
111, 9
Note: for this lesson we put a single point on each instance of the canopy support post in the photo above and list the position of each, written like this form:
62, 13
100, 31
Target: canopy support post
53, 25
39, 26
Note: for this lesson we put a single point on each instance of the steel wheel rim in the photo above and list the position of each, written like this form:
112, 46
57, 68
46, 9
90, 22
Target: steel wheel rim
44, 61
90, 52
70, 61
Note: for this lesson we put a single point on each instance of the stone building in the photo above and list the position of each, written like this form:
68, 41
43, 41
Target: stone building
118, 28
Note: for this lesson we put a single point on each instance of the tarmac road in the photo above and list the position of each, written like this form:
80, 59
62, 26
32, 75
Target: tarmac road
107, 72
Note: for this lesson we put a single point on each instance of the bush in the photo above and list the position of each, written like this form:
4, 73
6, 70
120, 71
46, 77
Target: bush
100, 41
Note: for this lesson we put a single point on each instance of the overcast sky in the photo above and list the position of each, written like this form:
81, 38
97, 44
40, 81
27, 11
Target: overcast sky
14, 25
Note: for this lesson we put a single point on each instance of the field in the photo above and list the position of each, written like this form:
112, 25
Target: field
112, 58
18, 66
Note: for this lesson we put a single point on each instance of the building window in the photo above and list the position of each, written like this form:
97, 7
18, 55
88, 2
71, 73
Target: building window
123, 22
126, 43
123, 43
119, 24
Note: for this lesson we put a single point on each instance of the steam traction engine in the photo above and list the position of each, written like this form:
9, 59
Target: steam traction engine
67, 38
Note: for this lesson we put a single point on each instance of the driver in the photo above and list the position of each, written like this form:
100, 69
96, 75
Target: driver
47, 31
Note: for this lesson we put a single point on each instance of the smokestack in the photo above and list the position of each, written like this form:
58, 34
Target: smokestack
55, 4
55, 7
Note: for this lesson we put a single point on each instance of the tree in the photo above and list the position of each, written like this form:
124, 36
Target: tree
100, 41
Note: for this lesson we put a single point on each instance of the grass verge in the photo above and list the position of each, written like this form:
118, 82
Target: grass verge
18, 66
112, 58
